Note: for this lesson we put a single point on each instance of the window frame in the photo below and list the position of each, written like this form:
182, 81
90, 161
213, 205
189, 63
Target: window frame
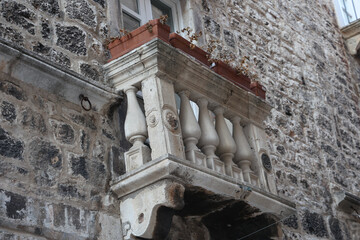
145, 12
342, 15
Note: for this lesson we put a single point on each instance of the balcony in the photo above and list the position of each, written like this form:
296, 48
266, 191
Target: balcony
193, 164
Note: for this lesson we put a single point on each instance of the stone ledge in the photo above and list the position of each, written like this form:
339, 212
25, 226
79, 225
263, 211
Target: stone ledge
190, 175
30, 68
348, 203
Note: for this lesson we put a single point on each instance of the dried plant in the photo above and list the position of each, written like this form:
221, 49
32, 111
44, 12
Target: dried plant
164, 18
149, 27
216, 54
122, 31
191, 36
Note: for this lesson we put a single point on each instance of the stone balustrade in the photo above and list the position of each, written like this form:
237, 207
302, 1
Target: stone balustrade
175, 130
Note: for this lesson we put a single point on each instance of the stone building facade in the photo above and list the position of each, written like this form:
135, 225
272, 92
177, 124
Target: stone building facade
58, 161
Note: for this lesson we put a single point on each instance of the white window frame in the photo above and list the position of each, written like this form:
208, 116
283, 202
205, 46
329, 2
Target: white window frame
145, 12
341, 13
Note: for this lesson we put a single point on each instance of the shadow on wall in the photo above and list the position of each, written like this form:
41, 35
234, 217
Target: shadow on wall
210, 216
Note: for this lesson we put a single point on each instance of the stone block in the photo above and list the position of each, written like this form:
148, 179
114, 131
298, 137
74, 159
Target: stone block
63, 132
136, 157
89, 71
44, 155
237, 173
33, 120
71, 38
49, 6
19, 14
81, 10
110, 227
13, 90
10, 147
313, 223
78, 166
8, 111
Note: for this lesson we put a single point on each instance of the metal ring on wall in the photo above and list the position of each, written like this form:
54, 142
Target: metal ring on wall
85, 100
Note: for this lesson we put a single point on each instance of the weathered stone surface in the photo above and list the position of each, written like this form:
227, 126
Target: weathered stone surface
33, 120
117, 161
80, 9
10, 147
15, 204
97, 173
85, 120
45, 28
8, 111
314, 224
71, 38
11, 35
108, 134
229, 38
85, 141
335, 228
310, 81
17, 13
64, 132
68, 190
59, 215
44, 155
52, 54
49, 6
212, 26
13, 90
78, 166
60, 58
101, 2
89, 71
292, 222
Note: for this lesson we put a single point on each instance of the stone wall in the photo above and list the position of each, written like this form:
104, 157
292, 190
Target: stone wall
313, 85
57, 160
67, 32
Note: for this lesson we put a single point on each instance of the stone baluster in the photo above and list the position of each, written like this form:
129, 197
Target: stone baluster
227, 147
243, 156
191, 131
135, 132
209, 139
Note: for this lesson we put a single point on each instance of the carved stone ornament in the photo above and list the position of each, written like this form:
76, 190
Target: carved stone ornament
152, 119
266, 161
170, 119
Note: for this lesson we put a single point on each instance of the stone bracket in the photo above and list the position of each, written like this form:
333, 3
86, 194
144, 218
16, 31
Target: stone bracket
139, 210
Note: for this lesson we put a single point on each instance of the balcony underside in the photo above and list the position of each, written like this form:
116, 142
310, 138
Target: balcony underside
196, 192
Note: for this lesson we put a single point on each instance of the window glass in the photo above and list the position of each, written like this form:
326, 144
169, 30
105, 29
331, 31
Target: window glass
130, 23
132, 4
158, 9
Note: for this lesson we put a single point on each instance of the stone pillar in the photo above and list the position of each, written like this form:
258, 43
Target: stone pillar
162, 118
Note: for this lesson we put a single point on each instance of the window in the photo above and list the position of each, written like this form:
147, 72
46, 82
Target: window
138, 12
347, 11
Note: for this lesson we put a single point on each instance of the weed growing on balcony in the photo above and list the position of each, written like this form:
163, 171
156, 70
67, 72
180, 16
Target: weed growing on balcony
123, 32
191, 36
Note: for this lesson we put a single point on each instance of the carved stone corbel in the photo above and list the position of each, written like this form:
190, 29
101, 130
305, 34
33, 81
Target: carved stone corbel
141, 214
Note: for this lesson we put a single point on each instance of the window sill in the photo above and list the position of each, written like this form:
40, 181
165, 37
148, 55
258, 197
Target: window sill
351, 34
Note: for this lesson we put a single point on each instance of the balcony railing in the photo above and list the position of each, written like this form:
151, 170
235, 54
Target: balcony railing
184, 151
